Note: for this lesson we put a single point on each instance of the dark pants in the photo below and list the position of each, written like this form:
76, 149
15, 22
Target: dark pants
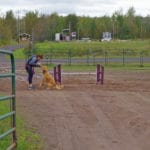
30, 72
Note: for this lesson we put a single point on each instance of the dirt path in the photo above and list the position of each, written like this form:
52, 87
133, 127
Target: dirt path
84, 116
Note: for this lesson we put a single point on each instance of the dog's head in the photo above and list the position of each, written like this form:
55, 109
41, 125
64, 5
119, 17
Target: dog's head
44, 69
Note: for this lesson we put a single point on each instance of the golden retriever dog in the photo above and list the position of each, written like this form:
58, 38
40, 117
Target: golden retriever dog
48, 80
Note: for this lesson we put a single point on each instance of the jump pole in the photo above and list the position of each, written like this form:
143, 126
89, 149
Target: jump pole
57, 74
100, 74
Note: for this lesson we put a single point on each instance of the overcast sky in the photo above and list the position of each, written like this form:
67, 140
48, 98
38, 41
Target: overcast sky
79, 7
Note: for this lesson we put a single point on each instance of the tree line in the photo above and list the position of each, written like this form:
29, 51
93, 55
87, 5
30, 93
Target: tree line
43, 26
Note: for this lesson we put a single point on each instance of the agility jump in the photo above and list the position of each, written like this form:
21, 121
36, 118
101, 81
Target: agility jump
99, 74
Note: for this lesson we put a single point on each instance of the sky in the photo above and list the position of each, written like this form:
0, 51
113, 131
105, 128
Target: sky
92, 8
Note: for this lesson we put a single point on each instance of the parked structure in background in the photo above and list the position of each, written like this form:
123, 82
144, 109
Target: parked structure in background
65, 35
24, 39
106, 36
73, 35
58, 37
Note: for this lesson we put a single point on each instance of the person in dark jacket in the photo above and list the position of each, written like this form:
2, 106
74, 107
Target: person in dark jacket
30, 64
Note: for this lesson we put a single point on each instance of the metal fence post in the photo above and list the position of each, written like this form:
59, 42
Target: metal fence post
141, 59
87, 53
106, 57
69, 57
94, 59
123, 57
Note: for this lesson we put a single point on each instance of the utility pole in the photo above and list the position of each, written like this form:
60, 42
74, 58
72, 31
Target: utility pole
18, 25
113, 30
32, 41
113, 26
70, 30
69, 27
78, 33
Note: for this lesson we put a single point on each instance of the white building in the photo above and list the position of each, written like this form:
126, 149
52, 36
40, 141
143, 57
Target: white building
106, 36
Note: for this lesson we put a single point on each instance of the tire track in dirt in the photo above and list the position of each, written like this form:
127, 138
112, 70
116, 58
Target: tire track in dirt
129, 118
38, 110
104, 128
84, 116
70, 123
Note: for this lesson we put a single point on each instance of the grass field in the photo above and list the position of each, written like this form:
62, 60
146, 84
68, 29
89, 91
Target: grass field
89, 68
82, 49
79, 46
91, 51
27, 138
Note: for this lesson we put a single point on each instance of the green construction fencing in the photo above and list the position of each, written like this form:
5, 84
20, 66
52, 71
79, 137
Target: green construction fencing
12, 99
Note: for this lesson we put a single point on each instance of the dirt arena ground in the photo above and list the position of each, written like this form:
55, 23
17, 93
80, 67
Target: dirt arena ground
86, 116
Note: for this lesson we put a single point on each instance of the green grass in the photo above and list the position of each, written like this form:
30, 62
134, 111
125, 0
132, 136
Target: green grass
95, 48
99, 49
18, 54
114, 49
112, 66
79, 46
128, 66
28, 139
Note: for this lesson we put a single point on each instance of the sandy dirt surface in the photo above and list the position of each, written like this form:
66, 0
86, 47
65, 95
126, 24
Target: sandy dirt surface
86, 116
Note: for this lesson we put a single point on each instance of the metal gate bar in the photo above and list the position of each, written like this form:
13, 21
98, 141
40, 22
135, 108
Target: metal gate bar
12, 99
